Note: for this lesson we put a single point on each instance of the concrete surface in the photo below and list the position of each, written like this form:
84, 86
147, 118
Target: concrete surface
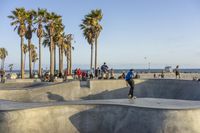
162, 106
100, 89
89, 116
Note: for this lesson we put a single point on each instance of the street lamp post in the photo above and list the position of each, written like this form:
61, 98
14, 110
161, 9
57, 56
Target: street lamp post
149, 66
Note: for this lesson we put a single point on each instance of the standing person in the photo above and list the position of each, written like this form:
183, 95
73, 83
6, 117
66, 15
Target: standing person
97, 72
104, 69
129, 78
177, 73
75, 74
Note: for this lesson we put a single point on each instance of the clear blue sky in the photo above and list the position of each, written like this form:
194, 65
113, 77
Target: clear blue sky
166, 32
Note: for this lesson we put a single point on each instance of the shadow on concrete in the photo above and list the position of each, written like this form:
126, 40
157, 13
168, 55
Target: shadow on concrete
114, 94
44, 84
54, 97
118, 119
35, 85
4, 126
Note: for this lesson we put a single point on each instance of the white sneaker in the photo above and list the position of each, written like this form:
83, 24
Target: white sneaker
129, 96
134, 97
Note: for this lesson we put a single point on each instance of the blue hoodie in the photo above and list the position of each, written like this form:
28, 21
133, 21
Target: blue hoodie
129, 75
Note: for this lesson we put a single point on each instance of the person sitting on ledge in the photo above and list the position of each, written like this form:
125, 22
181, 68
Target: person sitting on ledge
112, 75
137, 76
2, 76
79, 73
91, 75
154, 75
122, 76
84, 76
162, 74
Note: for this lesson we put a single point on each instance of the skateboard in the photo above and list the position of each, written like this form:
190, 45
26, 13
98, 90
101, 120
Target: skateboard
131, 100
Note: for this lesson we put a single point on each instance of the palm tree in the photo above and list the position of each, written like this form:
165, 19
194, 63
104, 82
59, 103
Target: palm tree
30, 17
18, 20
70, 52
34, 56
59, 29
68, 47
41, 15
11, 67
46, 41
88, 33
3, 55
61, 51
51, 19
94, 18
25, 50
59, 41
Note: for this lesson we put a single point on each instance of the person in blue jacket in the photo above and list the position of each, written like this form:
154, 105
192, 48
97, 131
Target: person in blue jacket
129, 78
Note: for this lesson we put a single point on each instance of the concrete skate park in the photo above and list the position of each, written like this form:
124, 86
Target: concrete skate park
100, 106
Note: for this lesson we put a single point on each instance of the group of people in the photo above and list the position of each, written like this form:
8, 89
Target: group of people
176, 71
100, 73
82, 75
105, 73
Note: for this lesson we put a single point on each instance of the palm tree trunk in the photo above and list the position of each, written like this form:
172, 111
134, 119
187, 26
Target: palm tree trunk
24, 61
30, 58
22, 56
39, 70
3, 60
91, 61
33, 67
61, 60
1, 64
51, 58
70, 54
60, 69
54, 57
68, 62
95, 67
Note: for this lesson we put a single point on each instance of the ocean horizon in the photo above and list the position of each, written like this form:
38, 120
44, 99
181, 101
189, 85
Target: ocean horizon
126, 70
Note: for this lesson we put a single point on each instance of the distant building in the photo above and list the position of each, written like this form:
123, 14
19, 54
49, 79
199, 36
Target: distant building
168, 69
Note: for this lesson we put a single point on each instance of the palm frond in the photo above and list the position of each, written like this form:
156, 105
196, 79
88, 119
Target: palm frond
14, 23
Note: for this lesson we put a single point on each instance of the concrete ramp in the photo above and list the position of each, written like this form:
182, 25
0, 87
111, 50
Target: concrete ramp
100, 106
145, 115
100, 89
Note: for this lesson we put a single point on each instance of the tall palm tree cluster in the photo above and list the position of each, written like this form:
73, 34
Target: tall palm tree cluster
50, 32
91, 30
3, 55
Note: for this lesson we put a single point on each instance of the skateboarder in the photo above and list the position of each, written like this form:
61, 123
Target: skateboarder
129, 78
